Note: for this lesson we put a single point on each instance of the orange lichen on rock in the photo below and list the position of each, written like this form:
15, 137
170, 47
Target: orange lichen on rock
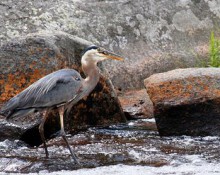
12, 84
182, 90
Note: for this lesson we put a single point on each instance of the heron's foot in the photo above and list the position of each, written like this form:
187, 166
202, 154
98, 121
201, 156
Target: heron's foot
56, 134
45, 149
73, 155
46, 154
59, 133
75, 159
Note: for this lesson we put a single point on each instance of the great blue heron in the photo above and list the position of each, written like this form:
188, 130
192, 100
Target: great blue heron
60, 89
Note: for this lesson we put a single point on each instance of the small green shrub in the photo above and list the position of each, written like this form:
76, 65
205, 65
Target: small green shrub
214, 51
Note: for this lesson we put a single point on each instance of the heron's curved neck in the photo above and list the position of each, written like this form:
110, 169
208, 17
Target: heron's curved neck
92, 75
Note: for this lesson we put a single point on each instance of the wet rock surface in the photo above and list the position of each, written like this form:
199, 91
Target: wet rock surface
9, 130
119, 144
186, 101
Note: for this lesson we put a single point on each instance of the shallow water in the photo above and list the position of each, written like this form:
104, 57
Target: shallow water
132, 148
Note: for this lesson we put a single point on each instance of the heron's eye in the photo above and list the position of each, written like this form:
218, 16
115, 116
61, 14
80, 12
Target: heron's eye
99, 50
77, 78
104, 52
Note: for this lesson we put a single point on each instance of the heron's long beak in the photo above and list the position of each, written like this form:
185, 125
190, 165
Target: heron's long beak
111, 55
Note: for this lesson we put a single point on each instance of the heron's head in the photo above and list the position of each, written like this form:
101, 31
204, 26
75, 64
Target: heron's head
94, 54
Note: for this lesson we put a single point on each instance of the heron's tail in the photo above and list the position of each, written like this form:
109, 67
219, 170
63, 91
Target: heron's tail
5, 113
8, 108
20, 113
2, 113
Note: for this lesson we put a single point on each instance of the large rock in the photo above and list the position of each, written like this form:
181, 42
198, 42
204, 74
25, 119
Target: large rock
9, 130
186, 101
156, 36
26, 59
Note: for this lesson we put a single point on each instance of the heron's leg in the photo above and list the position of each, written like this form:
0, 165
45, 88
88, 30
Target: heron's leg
41, 130
68, 109
63, 134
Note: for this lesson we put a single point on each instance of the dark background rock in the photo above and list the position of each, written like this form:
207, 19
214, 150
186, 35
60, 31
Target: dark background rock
26, 59
186, 101
155, 36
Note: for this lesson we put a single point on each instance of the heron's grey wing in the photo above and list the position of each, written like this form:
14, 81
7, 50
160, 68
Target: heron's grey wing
36, 89
53, 89
58, 91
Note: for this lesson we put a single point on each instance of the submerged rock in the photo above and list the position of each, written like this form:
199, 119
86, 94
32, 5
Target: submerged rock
26, 59
9, 130
186, 101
